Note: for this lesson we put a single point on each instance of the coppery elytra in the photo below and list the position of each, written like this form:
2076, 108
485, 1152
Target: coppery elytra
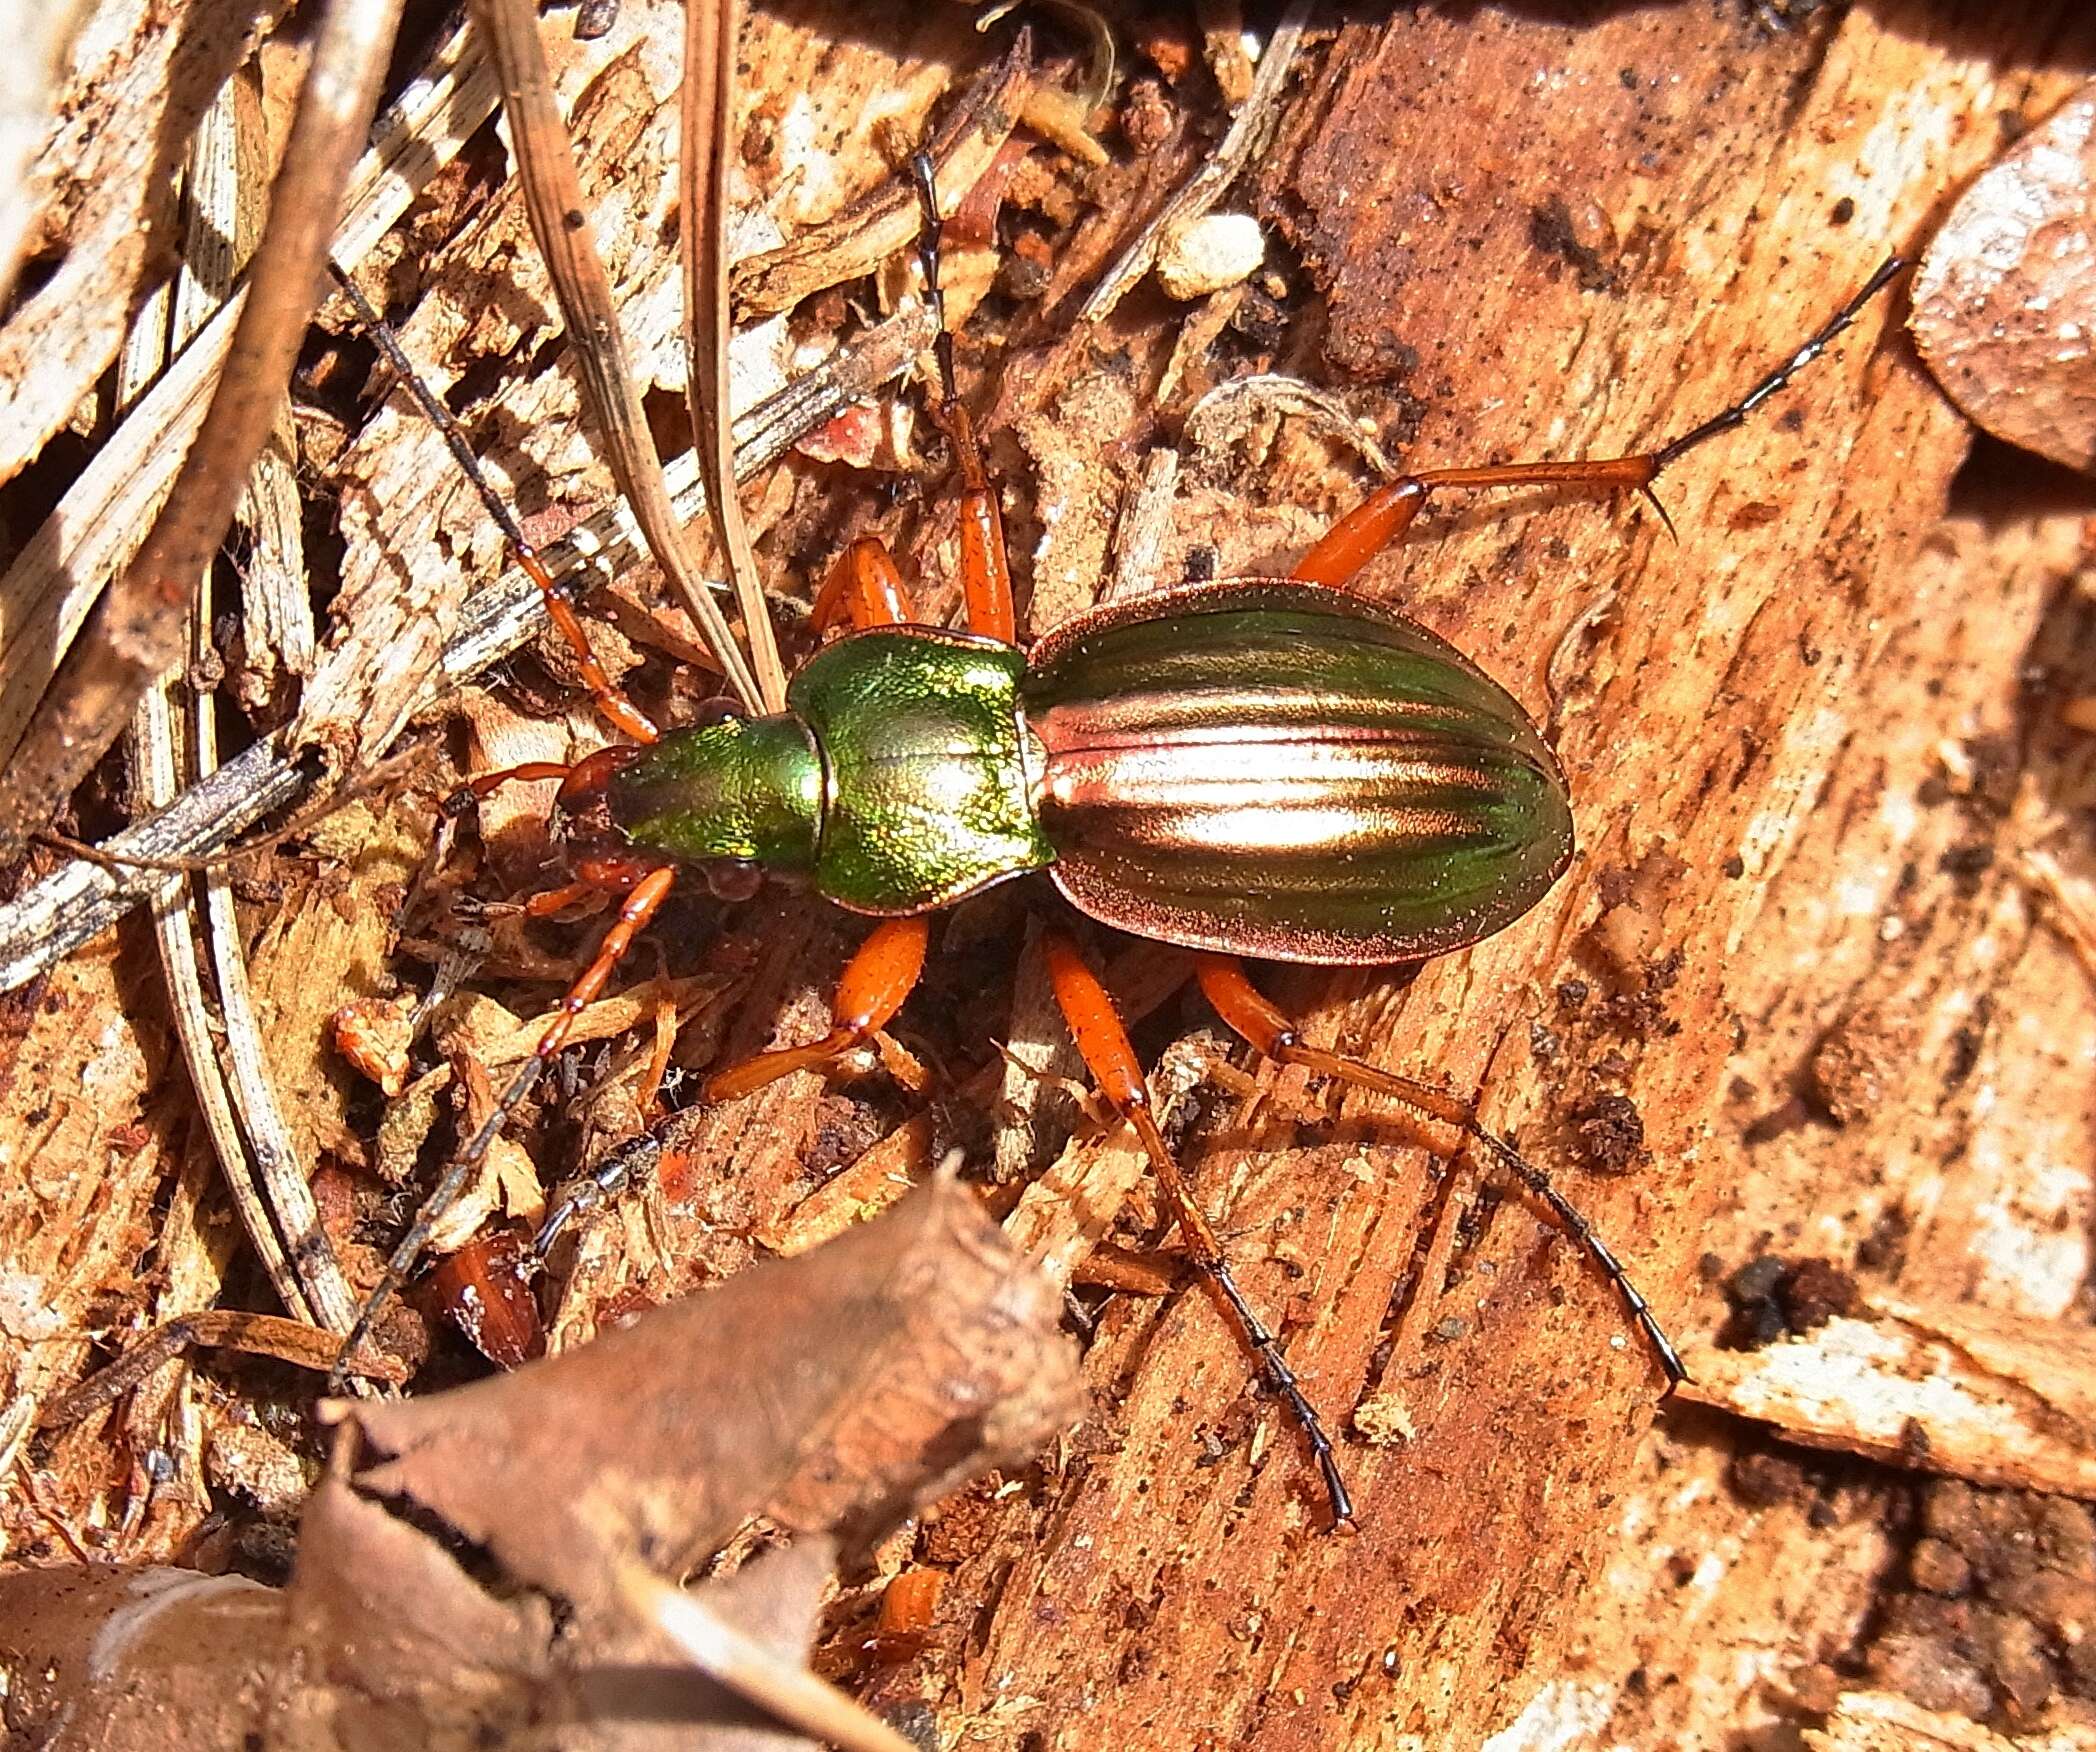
1262, 767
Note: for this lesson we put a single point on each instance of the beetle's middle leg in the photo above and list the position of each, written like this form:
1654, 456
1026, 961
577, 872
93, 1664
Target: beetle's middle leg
880, 975
1102, 1039
1225, 984
876, 980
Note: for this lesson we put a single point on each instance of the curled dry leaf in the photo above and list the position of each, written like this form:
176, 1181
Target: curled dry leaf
1999, 1399
836, 1393
860, 1364
2005, 303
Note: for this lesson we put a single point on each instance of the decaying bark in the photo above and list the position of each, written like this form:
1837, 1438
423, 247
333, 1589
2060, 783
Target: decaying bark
1808, 990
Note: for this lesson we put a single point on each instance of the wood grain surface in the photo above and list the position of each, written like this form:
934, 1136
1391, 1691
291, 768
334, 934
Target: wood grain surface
1812, 742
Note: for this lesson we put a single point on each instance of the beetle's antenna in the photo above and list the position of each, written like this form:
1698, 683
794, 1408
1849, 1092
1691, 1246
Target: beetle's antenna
618, 711
951, 413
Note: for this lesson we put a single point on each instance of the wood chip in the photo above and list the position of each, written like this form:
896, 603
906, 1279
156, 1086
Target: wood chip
1873, 1721
1999, 1399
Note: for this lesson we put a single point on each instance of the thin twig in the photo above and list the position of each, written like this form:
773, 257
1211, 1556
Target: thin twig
76, 902
212, 239
135, 632
1249, 130
258, 1335
712, 30
559, 220
173, 926
223, 238
372, 780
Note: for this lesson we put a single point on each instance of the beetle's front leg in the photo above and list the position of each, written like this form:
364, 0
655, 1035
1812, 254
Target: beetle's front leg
876, 980
986, 570
1450, 1123
645, 886
864, 588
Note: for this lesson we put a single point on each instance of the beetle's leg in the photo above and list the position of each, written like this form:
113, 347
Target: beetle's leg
618, 711
986, 572
648, 886
1102, 1040
613, 1176
872, 988
1240, 1004
863, 587
548, 901
874, 984
1386, 513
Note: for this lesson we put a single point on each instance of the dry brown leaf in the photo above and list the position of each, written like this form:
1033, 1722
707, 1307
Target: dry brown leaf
927, 1327
837, 1393
2005, 302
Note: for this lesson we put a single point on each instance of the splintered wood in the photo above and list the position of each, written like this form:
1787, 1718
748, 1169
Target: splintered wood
1995, 1398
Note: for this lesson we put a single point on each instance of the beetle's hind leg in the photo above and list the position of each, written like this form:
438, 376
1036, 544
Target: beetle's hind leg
1226, 986
1102, 1039
1364, 532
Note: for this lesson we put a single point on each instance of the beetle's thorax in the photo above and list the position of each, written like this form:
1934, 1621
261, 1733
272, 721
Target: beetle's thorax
899, 780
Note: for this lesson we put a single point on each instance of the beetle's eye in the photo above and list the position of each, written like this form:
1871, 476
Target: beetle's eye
734, 878
717, 710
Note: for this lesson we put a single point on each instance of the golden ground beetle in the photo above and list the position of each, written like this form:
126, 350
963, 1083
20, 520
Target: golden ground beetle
1263, 767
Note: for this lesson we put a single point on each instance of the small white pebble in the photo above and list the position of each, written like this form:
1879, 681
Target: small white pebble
1209, 253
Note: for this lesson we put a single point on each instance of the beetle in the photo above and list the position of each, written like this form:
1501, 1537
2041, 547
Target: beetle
1273, 768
